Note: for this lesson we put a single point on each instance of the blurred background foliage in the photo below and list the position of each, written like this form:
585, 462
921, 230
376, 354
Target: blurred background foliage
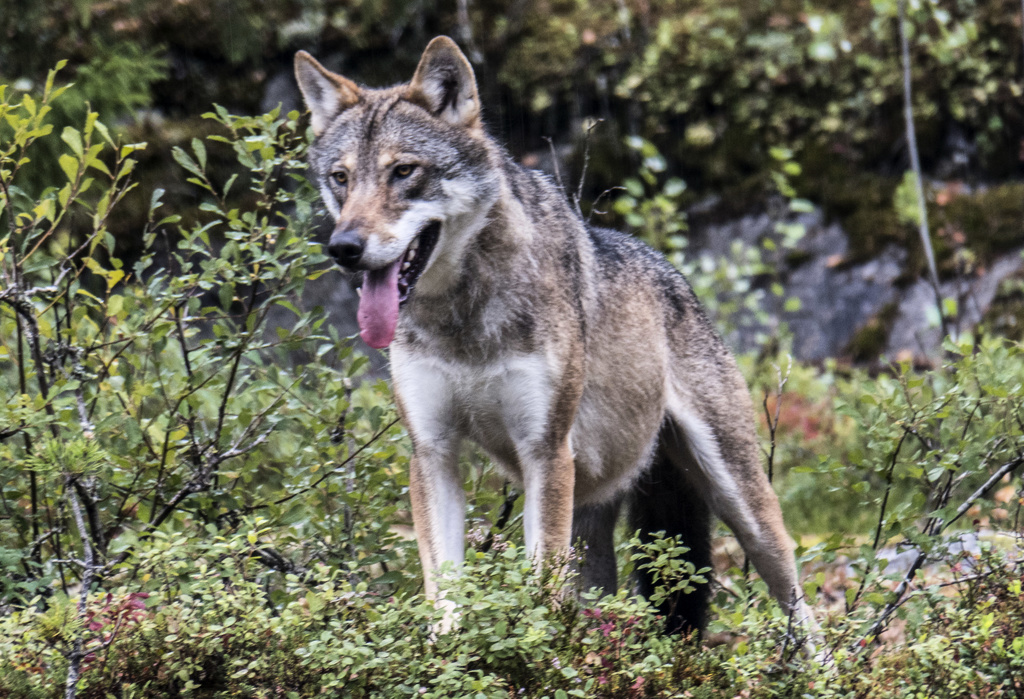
714, 86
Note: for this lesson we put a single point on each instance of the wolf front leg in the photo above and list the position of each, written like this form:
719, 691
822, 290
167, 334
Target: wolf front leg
438, 512
547, 510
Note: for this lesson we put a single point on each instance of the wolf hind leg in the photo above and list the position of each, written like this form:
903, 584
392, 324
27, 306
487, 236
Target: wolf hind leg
720, 459
662, 501
593, 530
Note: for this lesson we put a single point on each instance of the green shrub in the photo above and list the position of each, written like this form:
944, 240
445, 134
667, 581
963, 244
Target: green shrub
186, 510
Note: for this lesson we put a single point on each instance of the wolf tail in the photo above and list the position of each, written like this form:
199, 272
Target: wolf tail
662, 500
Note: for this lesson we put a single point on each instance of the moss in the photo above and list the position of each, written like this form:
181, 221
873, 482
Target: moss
991, 221
987, 223
860, 201
1005, 316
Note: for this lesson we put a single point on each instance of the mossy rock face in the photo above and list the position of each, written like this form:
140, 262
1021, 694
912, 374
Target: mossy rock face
1006, 314
861, 201
987, 223
990, 221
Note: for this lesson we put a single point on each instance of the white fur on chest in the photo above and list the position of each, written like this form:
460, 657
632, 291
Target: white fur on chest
501, 405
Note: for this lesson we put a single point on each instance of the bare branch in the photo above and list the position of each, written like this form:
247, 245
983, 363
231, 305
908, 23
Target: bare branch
42, 539
1008, 467
554, 163
915, 163
602, 195
898, 595
578, 197
89, 569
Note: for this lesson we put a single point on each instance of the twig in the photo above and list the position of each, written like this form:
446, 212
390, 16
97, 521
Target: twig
578, 197
198, 483
1008, 467
343, 464
793, 599
276, 561
92, 514
888, 489
4, 434
898, 598
773, 424
76, 654
602, 195
41, 539
554, 161
881, 518
934, 525
915, 163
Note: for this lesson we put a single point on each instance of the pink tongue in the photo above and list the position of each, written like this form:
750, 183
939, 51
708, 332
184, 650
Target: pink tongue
378, 307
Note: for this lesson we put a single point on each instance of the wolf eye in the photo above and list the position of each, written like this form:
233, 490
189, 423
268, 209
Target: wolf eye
340, 178
403, 171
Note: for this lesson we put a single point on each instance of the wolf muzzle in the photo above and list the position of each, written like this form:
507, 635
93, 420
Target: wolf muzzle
346, 247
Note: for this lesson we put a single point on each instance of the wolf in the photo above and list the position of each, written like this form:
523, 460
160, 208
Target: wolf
577, 357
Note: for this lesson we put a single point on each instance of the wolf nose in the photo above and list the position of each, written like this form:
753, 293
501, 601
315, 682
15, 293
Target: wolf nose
346, 247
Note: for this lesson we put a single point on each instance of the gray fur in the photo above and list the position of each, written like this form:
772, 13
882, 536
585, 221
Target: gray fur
568, 353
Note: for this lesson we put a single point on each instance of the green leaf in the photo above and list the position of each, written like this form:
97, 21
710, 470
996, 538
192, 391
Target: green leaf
130, 148
200, 150
70, 167
905, 200
73, 138
101, 127
183, 159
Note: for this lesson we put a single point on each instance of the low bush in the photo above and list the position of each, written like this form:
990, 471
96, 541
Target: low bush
189, 506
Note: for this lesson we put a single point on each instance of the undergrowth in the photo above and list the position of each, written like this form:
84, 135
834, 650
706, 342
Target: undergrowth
189, 506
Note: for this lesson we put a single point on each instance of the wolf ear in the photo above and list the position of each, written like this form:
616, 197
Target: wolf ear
444, 84
326, 94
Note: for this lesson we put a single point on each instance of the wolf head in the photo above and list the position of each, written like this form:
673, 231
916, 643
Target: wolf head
405, 172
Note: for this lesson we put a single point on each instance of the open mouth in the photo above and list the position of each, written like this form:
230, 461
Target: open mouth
386, 289
415, 259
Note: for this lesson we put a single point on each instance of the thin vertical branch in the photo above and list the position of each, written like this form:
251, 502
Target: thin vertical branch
915, 164
76, 653
554, 160
578, 197
881, 518
773, 422
32, 478
466, 33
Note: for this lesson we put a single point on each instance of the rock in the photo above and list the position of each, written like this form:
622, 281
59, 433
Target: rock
915, 331
835, 300
838, 302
